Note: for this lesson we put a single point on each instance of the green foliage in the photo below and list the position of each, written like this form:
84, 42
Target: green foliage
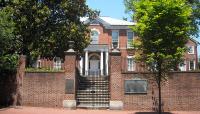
163, 28
44, 27
195, 15
8, 58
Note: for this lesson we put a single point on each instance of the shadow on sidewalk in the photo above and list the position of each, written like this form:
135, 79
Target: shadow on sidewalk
152, 113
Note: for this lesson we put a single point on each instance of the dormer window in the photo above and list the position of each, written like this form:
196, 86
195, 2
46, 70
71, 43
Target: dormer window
190, 49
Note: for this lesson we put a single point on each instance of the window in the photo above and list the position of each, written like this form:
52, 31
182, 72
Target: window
130, 63
191, 65
182, 66
94, 37
190, 49
130, 36
57, 63
115, 38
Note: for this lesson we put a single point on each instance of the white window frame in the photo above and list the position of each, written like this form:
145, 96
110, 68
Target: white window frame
192, 47
128, 45
193, 66
184, 66
133, 65
117, 39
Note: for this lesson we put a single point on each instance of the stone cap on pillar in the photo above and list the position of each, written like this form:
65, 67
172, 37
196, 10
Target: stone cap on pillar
115, 51
70, 51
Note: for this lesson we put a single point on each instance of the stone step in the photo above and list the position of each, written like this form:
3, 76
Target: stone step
94, 84
92, 95
93, 77
93, 106
93, 98
93, 102
93, 80
94, 88
93, 91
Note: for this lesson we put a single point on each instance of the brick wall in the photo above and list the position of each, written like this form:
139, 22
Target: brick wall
115, 76
43, 89
7, 88
180, 92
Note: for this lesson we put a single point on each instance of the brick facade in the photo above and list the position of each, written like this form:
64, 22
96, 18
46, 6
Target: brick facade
44, 89
105, 37
180, 93
115, 76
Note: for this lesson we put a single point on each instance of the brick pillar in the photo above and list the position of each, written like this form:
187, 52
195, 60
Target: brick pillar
19, 81
116, 90
70, 79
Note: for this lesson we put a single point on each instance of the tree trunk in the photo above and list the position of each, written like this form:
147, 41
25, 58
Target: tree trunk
17, 96
159, 97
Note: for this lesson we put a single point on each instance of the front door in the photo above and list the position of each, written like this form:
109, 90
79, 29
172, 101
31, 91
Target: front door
94, 67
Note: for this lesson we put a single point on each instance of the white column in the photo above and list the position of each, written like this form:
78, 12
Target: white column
101, 63
86, 63
81, 66
106, 63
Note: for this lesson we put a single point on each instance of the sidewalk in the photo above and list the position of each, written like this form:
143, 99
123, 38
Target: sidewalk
40, 110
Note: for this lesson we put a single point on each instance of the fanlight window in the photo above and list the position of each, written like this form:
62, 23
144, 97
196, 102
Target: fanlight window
94, 37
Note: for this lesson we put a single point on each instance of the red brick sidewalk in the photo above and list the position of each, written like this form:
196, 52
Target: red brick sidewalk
39, 110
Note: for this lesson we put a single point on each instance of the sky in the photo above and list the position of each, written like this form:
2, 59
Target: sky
111, 8
114, 9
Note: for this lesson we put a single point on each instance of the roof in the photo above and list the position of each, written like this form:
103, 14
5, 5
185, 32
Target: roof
195, 41
108, 22
113, 21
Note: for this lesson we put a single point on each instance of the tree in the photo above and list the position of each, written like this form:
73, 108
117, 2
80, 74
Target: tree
163, 27
44, 27
195, 16
8, 58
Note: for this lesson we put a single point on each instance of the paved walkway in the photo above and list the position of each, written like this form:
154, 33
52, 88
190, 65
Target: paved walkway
39, 110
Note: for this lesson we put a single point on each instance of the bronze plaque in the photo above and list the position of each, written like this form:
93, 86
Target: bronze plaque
135, 86
69, 86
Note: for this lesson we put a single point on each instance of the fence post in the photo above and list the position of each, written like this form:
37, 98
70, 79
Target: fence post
70, 78
116, 90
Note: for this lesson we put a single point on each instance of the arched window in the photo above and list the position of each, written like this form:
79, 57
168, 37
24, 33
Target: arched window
94, 37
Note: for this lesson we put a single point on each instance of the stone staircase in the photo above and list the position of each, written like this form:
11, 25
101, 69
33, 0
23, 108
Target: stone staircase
93, 92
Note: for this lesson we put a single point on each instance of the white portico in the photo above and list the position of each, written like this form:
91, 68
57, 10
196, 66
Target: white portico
95, 60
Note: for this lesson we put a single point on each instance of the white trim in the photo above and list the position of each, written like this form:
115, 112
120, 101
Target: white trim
112, 37
193, 63
133, 68
86, 63
107, 57
101, 68
81, 66
192, 49
95, 29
